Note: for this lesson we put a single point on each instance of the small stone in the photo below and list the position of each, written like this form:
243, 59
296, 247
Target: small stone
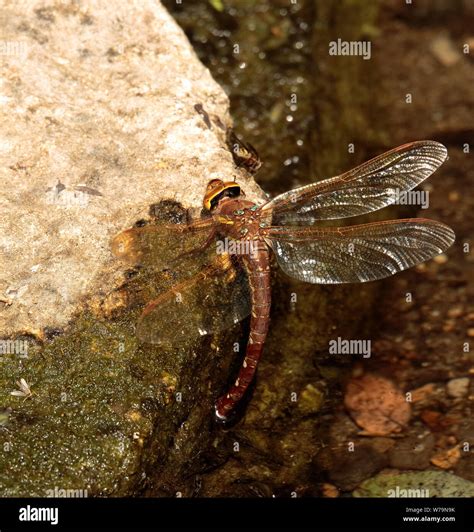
465, 467
311, 400
413, 452
382, 445
351, 468
458, 387
449, 326
443, 49
455, 312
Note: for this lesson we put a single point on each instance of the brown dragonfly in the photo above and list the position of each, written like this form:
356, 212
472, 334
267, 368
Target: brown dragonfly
219, 264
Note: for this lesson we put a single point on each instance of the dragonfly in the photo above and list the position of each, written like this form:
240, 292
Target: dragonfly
219, 263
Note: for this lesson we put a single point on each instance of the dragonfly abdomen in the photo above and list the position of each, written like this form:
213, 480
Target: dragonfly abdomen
258, 270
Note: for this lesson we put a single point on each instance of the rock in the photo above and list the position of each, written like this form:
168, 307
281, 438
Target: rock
351, 468
465, 467
420, 484
455, 312
412, 452
311, 400
458, 387
98, 122
445, 52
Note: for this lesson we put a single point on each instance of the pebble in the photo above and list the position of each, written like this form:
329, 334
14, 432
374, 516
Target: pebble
465, 468
351, 468
458, 387
413, 452
449, 326
455, 312
443, 48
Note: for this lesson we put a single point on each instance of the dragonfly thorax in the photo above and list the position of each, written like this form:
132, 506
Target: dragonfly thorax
244, 218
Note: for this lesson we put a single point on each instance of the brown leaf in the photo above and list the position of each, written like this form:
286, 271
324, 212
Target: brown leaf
376, 405
447, 458
422, 393
329, 490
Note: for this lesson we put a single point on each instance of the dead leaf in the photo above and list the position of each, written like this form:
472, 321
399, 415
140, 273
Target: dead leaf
438, 422
376, 405
447, 458
329, 490
422, 393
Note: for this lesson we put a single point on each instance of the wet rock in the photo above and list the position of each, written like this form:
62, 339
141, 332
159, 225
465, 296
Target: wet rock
465, 467
311, 400
420, 484
352, 467
412, 452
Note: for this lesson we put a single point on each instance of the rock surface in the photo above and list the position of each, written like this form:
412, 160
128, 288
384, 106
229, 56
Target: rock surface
102, 96
98, 122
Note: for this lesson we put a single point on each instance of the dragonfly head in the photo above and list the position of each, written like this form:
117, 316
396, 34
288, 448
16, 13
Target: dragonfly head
217, 190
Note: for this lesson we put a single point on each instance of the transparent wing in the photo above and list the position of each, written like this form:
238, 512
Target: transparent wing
357, 253
212, 300
160, 246
368, 187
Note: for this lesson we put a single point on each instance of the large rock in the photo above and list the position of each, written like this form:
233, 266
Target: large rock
98, 122
100, 95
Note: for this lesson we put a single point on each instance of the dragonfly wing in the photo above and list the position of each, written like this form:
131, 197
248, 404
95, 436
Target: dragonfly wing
212, 300
357, 253
366, 188
159, 246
